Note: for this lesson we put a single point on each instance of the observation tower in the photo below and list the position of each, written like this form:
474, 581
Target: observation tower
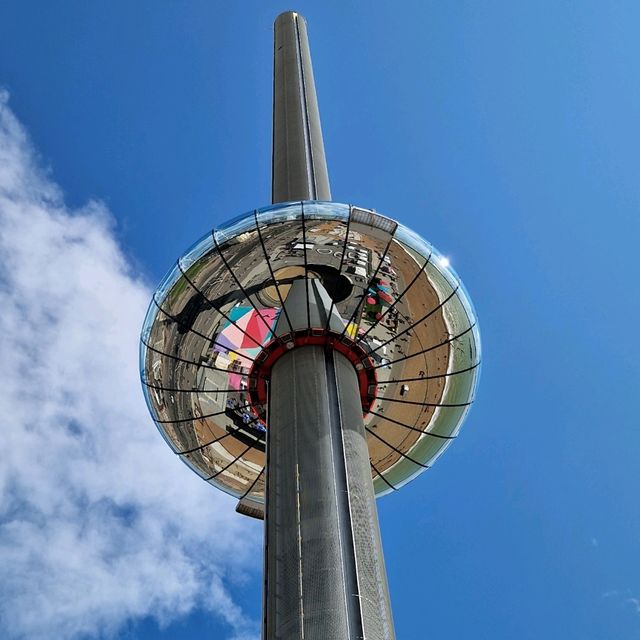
307, 357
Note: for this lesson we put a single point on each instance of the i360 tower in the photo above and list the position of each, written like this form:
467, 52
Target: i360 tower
307, 357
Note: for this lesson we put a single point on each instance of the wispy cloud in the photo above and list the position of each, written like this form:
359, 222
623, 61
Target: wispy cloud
634, 603
99, 523
625, 597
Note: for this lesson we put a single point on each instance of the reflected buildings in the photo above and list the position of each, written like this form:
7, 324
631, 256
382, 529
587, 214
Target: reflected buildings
306, 357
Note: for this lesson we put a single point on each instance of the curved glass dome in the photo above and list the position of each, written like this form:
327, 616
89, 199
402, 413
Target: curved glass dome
216, 310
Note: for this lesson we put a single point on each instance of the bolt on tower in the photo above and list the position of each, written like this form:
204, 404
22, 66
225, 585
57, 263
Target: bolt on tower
307, 357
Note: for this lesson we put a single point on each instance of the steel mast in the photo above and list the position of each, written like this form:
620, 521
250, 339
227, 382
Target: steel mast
299, 167
324, 569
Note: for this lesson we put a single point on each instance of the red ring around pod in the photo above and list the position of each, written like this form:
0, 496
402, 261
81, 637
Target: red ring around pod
260, 372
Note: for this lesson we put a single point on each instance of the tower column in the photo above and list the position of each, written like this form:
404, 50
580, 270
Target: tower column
325, 576
324, 570
299, 168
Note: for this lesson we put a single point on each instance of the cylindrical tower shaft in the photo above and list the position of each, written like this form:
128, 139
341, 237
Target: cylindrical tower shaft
299, 168
325, 574
324, 570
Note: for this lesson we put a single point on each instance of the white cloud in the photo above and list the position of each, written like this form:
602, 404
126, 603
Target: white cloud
99, 522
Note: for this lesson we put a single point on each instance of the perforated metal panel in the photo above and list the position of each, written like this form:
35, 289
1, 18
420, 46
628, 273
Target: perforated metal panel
372, 579
324, 570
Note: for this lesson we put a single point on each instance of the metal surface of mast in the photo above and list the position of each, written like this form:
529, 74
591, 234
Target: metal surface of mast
324, 569
299, 168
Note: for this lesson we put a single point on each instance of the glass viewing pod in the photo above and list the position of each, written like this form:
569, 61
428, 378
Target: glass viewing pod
408, 324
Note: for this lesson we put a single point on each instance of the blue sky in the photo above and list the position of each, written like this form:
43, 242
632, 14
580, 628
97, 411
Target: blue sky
506, 134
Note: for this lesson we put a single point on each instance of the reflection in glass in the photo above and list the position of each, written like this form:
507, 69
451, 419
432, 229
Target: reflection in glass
218, 307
